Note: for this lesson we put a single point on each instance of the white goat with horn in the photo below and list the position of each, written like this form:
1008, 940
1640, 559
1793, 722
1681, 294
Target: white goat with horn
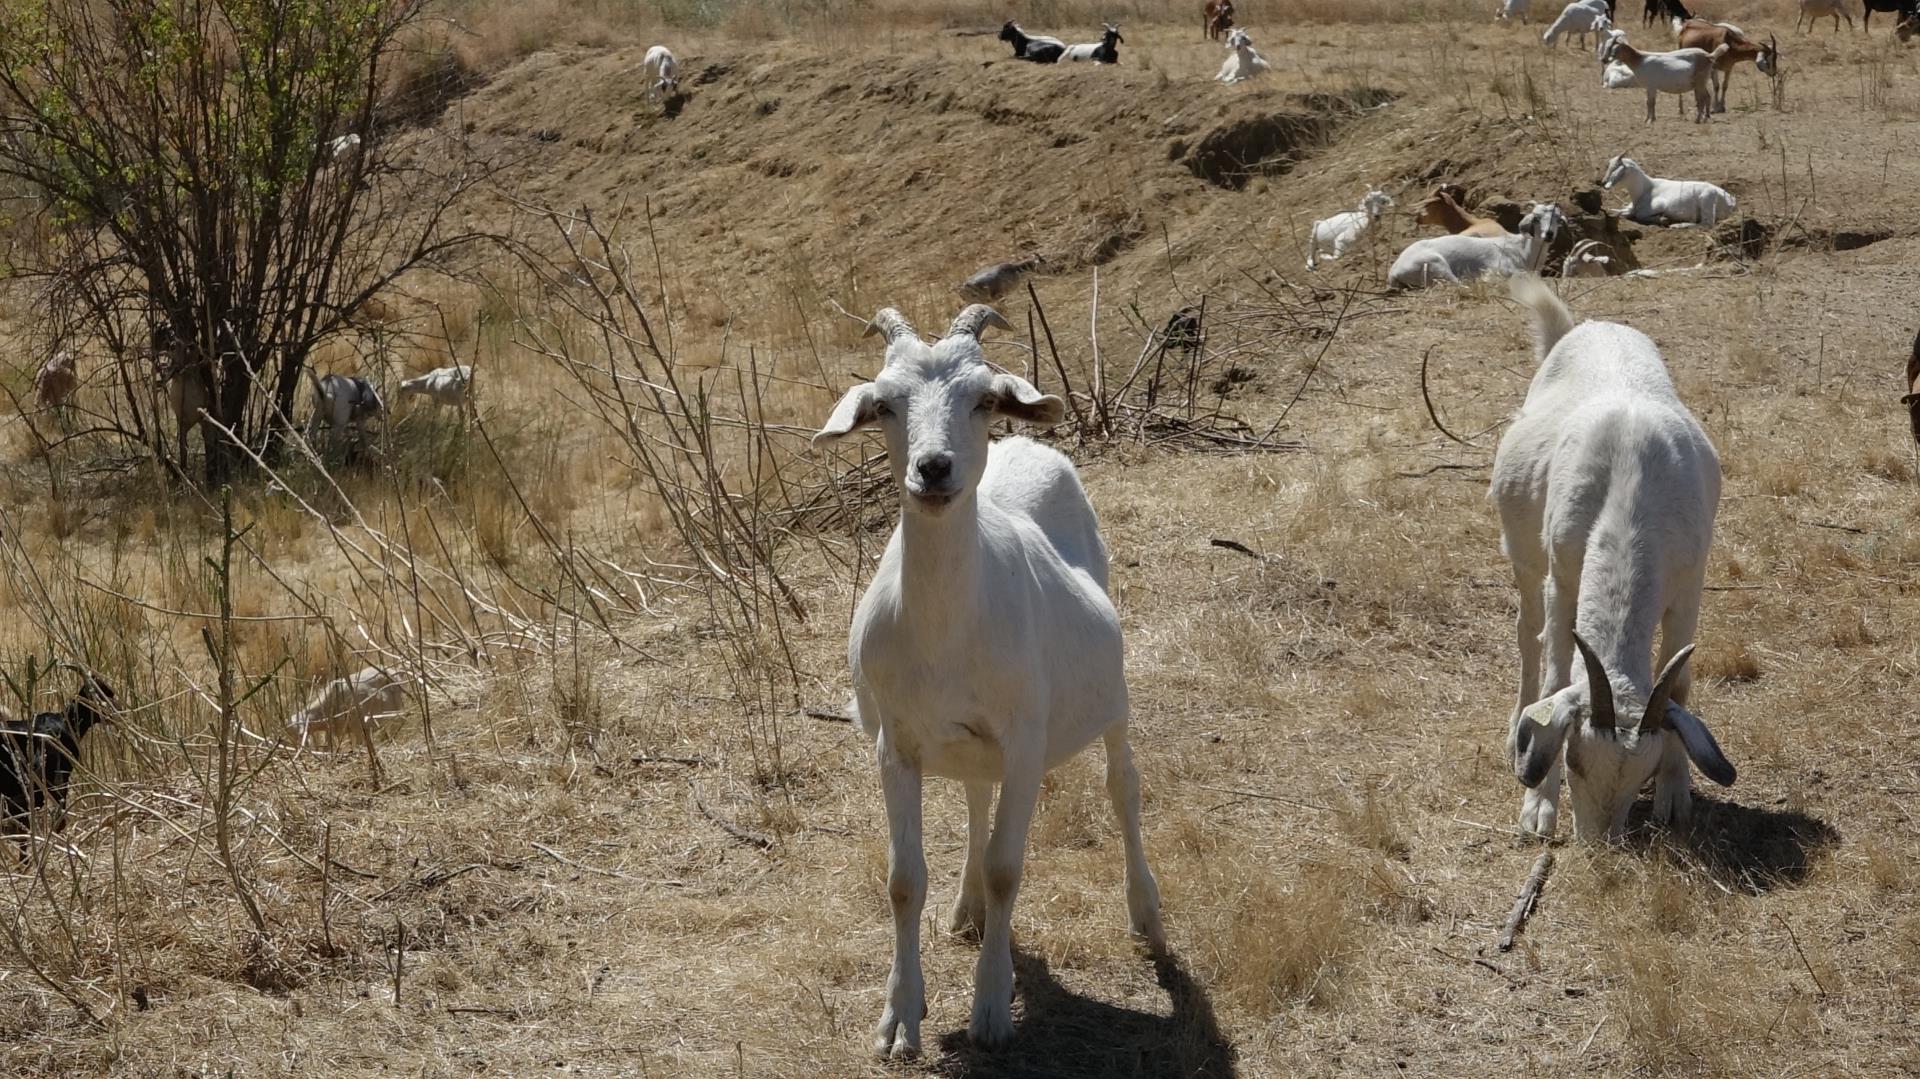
985, 649
1607, 488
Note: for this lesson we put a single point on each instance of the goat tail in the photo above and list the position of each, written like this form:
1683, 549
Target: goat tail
1720, 51
1551, 318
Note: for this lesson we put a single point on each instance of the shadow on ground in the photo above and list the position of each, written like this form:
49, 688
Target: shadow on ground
1749, 849
1063, 1035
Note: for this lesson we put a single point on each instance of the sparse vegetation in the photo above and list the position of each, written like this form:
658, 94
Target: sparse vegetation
623, 581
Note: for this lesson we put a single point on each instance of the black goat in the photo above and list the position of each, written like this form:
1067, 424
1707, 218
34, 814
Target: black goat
1040, 50
1665, 9
1901, 10
37, 755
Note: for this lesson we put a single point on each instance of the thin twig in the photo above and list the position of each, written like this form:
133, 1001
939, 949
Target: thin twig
1234, 545
596, 870
1264, 797
1428, 398
1795, 938
744, 835
1523, 905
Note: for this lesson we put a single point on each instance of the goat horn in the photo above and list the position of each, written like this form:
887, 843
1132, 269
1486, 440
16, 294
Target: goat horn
1656, 714
1599, 690
974, 318
892, 323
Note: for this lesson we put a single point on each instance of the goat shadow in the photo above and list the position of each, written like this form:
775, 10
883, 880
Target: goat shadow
1751, 848
1063, 1035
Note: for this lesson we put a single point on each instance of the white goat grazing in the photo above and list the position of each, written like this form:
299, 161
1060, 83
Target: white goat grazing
1606, 487
446, 385
342, 146
663, 70
1341, 230
1459, 258
1667, 202
1670, 73
1812, 11
984, 650
1582, 262
1580, 18
1605, 36
1512, 9
1243, 63
361, 704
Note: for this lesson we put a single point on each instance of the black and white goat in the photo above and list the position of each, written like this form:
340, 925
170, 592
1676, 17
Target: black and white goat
1101, 52
342, 401
1034, 47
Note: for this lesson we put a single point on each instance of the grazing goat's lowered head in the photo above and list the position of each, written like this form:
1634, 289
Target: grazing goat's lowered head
934, 404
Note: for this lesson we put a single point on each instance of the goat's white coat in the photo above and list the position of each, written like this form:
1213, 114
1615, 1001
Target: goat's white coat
446, 385
340, 401
1093, 50
1337, 233
663, 71
1459, 258
344, 145
1812, 11
1673, 72
361, 704
985, 649
1667, 202
1606, 487
1512, 9
1580, 18
1243, 62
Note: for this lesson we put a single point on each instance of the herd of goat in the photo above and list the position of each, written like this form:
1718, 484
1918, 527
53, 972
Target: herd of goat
986, 648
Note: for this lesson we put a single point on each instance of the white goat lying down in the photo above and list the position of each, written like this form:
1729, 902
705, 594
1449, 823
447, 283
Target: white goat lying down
1669, 73
1341, 230
1580, 18
361, 705
1606, 487
446, 385
1242, 63
1667, 202
1459, 258
985, 649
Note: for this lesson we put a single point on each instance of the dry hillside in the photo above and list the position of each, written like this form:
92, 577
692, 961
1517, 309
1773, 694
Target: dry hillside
549, 886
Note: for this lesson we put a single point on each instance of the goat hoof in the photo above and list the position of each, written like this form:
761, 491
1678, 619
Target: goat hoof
992, 1026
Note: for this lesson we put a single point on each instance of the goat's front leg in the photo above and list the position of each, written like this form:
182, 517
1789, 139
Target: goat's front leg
970, 906
898, 1034
992, 1024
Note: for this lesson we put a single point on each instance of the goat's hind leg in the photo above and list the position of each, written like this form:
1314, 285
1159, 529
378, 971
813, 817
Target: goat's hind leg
1123, 788
969, 914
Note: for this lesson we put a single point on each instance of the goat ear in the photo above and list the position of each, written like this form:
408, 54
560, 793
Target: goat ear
1018, 398
1543, 730
1701, 748
855, 410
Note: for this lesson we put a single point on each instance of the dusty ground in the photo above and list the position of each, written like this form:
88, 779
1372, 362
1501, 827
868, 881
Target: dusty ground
1320, 728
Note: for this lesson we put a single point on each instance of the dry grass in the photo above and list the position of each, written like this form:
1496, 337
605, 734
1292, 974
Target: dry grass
1319, 727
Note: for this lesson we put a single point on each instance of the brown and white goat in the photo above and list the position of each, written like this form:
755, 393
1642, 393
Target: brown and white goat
1709, 36
1216, 18
1441, 209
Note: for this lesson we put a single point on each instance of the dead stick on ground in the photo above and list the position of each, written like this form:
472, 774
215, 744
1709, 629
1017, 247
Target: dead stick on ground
1428, 398
1529, 895
1794, 937
744, 835
615, 874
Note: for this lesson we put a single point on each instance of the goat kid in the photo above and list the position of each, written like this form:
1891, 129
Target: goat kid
1443, 210
985, 649
1606, 487
1340, 231
444, 385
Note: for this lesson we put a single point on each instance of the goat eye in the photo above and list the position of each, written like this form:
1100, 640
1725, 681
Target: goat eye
987, 403
881, 408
